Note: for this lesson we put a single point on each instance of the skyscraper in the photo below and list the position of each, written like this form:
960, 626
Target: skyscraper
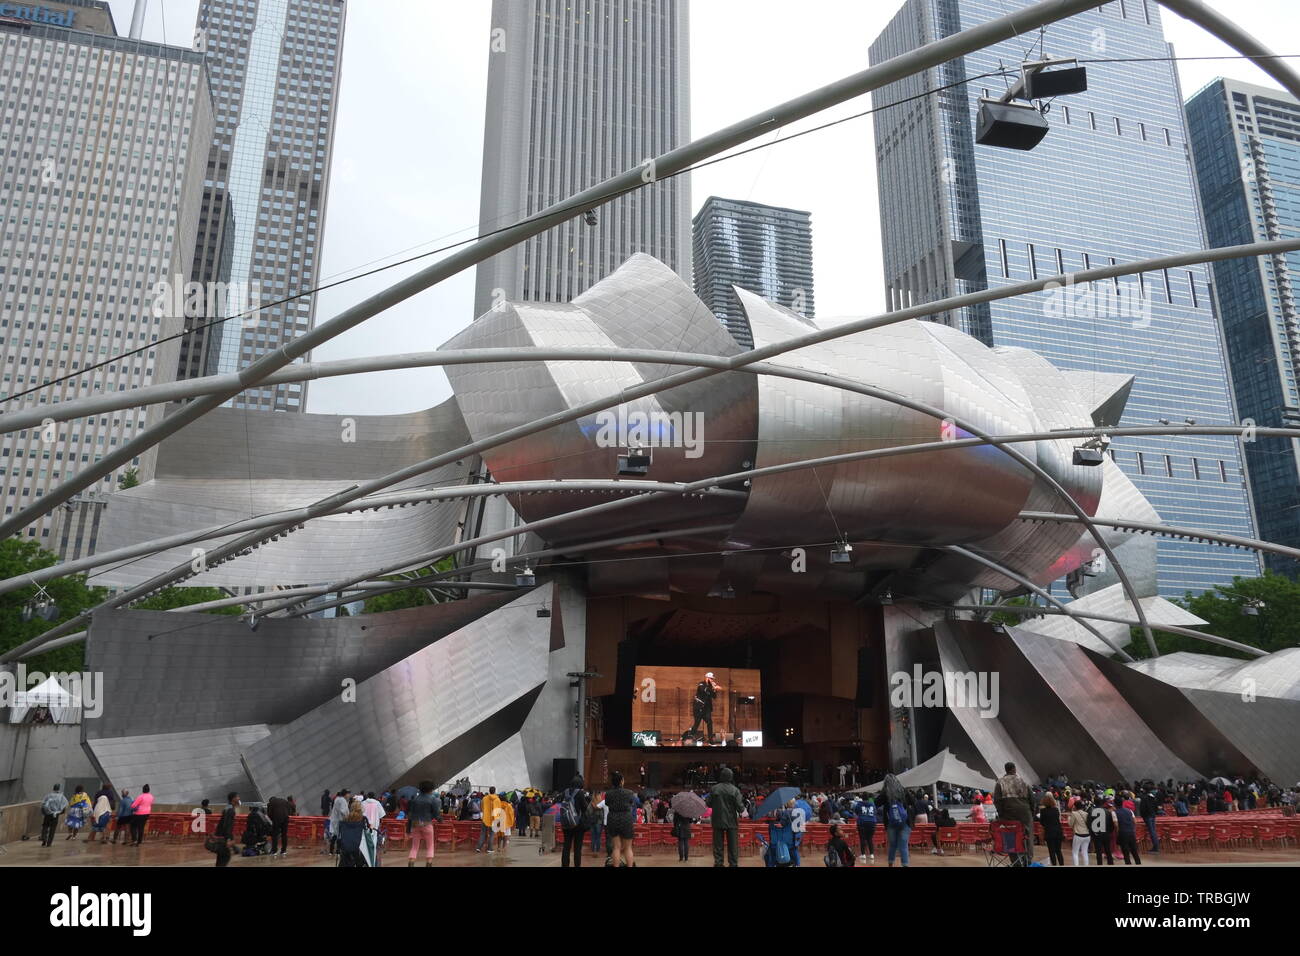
579, 90
1110, 183
275, 68
765, 249
1245, 142
104, 144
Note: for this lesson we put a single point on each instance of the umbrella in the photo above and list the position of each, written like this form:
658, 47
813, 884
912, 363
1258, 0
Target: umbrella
408, 791
775, 801
689, 805
1222, 781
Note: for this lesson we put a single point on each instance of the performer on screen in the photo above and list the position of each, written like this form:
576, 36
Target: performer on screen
702, 706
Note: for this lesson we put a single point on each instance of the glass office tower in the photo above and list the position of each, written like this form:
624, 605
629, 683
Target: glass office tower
1110, 183
765, 249
104, 141
1245, 142
275, 68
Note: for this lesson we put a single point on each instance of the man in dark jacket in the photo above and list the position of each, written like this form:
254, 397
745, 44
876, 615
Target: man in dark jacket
277, 808
1147, 807
725, 801
226, 829
1011, 798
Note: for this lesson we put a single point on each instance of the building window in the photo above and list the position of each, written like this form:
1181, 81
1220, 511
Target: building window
1002, 250
1142, 464
1191, 285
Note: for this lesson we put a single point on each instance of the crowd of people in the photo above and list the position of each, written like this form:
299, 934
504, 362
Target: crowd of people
1095, 817
96, 813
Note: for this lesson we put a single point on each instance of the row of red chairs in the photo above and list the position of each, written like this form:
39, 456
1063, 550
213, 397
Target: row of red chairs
1180, 833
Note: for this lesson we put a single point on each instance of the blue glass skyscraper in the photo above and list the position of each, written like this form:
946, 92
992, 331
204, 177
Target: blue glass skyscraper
1110, 183
1245, 142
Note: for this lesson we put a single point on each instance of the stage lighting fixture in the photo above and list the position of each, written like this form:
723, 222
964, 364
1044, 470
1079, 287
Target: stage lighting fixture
525, 578
635, 462
589, 217
842, 553
1009, 125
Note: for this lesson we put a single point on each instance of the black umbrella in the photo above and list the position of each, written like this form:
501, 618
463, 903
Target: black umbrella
408, 791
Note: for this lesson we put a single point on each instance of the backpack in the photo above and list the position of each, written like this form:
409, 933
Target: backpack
832, 858
896, 815
570, 819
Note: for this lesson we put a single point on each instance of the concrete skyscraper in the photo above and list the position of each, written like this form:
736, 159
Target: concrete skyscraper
764, 249
1111, 182
105, 140
275, 68
579, 90
1245, 142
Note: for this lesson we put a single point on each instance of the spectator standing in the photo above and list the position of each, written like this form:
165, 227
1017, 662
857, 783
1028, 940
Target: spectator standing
141, 807
1148, 806
79, 808
726, 803
51, 808
1012, 800
1101, 821
864, 812
1126, 827
573, 819
1081, 833
225, 832
421, 814
100, 816
339, 811
488, 810
898, 821
1049, 815
619, 828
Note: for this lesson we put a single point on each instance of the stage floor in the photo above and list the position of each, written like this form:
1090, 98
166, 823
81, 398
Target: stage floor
522, 852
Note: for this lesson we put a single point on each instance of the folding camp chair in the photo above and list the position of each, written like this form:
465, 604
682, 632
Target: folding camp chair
1007, 844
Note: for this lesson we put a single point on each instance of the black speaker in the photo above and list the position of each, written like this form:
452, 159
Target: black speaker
654, 774
563, 770
866, 696
1010, 125
1048, 83
817, 774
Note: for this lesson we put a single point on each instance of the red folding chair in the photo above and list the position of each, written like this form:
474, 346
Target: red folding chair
1006, 844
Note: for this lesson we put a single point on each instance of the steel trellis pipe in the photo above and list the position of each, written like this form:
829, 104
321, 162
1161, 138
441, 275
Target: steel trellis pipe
665, 165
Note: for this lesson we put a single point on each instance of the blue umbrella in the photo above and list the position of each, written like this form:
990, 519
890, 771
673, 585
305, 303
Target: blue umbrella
408, 792
775, 801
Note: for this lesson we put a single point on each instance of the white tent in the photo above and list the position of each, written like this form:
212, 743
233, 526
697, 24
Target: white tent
943, 767
65, 708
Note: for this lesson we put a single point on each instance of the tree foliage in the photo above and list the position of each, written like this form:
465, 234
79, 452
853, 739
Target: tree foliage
1274, 627
171, 598
407, 597
71, 595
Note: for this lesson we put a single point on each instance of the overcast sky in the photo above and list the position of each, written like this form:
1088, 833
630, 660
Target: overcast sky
410, 140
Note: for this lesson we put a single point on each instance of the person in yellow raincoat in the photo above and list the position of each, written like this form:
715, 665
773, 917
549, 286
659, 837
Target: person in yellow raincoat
507, 824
